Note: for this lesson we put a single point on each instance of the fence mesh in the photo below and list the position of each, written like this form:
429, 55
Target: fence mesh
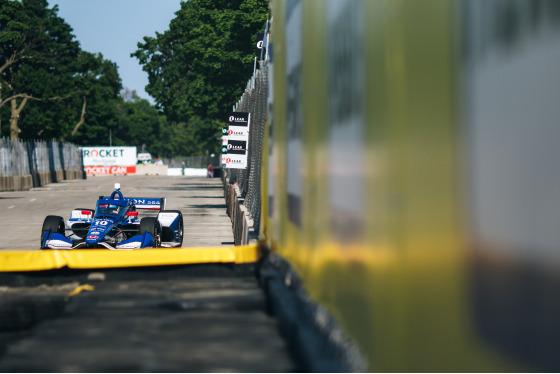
14, 160
19, 157
41, 156
254, 100
71, 156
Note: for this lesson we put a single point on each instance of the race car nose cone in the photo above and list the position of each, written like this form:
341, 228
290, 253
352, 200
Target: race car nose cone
96, 232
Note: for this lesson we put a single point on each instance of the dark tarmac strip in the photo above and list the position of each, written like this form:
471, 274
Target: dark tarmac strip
193, 318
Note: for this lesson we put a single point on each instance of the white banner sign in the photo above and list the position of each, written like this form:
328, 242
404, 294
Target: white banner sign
238, 133
109, 156
237, 139
236, 161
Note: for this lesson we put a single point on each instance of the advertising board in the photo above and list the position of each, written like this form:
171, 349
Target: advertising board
107, 170
109, 160
237, 138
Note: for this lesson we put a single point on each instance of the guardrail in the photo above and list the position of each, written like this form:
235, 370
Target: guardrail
35, 163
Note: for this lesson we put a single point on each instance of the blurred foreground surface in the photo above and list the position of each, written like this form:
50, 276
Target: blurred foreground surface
195, 318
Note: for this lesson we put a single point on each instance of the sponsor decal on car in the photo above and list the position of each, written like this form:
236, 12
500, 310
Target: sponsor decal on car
166, 219
101, 223
147, 203
131, 245
54, 244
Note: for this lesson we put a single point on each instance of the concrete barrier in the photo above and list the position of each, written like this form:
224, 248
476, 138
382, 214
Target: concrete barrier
7, 183
241, 221
59, 175
74, 174
16, 183
151, 169
25, 182
187, 172
45, 178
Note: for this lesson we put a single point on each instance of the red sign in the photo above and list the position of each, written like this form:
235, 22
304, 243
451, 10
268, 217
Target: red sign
107, 170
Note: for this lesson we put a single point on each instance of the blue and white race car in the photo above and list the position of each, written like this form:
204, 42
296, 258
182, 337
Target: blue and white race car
115, 225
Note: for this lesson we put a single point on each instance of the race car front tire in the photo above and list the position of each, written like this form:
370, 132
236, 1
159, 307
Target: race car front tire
52, 224
151, 225
167, 234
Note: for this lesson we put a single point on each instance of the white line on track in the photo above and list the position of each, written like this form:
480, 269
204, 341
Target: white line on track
10, 207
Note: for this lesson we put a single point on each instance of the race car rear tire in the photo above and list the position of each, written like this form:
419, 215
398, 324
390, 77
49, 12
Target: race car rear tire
151, 225
52, 224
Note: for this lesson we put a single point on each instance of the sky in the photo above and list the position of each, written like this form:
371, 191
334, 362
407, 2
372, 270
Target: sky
114, 27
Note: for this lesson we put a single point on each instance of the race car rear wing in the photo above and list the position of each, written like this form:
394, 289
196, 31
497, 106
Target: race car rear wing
146, 202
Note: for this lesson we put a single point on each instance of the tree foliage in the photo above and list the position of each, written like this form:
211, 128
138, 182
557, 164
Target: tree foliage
51, 88
47, 76
198, 68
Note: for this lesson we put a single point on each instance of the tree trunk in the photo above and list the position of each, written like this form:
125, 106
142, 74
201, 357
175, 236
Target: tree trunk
82, 119
14, 129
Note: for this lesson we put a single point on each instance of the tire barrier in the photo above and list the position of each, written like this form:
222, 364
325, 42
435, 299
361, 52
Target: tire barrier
35, 163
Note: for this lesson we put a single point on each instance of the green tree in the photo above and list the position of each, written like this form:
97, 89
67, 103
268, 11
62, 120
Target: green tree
37, 52
139, 123
199, 68
98, 81
67, 93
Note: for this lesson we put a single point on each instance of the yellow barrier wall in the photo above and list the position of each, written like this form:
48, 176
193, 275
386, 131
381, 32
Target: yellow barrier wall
104, 258
370, 176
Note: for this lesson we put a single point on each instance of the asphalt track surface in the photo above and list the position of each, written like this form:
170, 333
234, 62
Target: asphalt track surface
201, 200
192, 318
